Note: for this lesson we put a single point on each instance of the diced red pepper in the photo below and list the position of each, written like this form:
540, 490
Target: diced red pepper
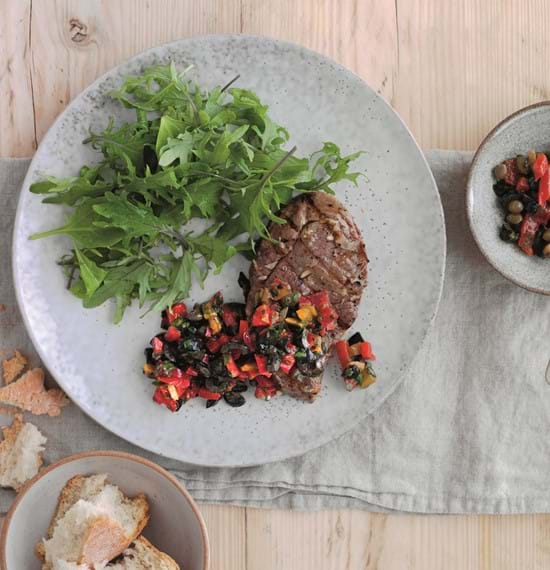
190, 393
544, 188
208, 332
175, 312
311, 338
265, 389
290, 347
527, 233
366, 351
214, 344
263, 316
191, 371
176, 373
540, 167
342, 351
181, 380
229, 317
235, 353
157, 345
318, 299
512, 172
231, 366
327, 313
208, 395
161, 396
522, 184
243, 327
351, 384
261, 363
172, 334
287, 362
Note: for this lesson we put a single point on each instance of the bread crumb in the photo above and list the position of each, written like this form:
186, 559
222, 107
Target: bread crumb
12, 367
20, 453
29, 393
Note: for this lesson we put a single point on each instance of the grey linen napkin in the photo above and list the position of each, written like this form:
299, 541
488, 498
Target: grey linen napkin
467, 431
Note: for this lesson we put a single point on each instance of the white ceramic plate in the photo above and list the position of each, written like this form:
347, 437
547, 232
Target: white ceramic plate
398, 211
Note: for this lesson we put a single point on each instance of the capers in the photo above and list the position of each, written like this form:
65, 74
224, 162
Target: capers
501, 171
522, 163
514, 219
546, 250
515, 207
546, 235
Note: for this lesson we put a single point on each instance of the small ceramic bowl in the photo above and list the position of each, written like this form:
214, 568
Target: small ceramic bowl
175, 527
525, 129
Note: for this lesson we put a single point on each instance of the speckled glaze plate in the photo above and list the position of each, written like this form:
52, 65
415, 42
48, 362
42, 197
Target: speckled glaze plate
524, 129
397, 209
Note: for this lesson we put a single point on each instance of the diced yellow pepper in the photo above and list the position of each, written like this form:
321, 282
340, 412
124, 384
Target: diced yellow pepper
282, 292
293, 321
215, 324
149, 369
249, 367
306, 313
366, 379
173, 392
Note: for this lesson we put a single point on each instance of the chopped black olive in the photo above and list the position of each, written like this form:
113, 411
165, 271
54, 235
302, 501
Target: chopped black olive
355, 338
234, 399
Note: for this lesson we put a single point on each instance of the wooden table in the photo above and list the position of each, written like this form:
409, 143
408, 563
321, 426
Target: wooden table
451, 68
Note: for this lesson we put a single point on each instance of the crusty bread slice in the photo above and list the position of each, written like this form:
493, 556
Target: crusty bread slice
93, 523
20, 453
142, 555
29, 393
12, 367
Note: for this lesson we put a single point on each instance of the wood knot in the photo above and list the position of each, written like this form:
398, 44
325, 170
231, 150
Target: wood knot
78, 31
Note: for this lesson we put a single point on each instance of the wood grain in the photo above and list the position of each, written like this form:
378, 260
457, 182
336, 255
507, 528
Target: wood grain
451, 69
17, 136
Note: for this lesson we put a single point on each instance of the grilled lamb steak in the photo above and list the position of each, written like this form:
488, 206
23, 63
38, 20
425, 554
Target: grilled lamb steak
319, 248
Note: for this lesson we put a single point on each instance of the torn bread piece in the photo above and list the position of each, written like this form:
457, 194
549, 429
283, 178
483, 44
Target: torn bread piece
30, 394
12, 367
20, 453
94, 522
142, 555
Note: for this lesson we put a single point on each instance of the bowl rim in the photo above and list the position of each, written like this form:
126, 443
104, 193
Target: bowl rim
105, 453
469, 191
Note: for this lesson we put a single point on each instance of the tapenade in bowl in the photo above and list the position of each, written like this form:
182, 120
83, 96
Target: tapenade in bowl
508, 198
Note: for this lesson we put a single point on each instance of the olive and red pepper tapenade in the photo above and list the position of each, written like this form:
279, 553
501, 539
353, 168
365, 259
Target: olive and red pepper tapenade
523, 190
214, 352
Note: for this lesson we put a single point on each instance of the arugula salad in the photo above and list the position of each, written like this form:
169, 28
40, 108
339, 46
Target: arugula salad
190, 154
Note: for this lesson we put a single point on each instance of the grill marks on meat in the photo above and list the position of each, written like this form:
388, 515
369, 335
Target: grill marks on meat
319, 247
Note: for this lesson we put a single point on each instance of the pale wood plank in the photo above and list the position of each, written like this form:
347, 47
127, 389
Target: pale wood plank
227, 532
349, 540
74, 42
17, 136
360, 34
465, 65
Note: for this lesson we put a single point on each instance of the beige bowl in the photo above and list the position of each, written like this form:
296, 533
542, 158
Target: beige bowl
176, 525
